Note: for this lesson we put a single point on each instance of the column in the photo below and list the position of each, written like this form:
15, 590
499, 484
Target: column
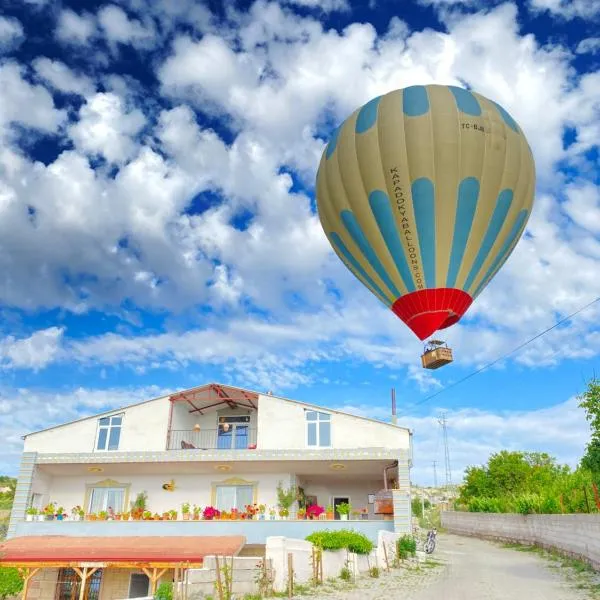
22, 492
401, 498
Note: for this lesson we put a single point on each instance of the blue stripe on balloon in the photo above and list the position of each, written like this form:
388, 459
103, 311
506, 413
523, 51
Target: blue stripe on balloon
415, 101
359, 271
333, 142
468, 193
507, 118
515, 232
362, 242
503, 203
367, 116
466, 101
424, 207
382, 211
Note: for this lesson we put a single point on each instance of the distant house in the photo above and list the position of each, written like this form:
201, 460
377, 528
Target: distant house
214, 446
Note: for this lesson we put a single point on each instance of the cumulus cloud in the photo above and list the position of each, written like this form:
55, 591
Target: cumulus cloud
75, 28
11, 34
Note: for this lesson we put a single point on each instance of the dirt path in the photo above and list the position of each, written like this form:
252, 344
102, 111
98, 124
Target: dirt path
470, 569
479, 570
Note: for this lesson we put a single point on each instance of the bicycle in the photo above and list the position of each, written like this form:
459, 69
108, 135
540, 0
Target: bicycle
429, 545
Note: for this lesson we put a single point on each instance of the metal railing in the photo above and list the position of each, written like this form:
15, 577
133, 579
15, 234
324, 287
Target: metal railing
238, 437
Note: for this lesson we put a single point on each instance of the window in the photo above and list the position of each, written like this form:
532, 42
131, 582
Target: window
318, 429
103, 498
139, 585
109, 432
68, 585
233, 435
234, 496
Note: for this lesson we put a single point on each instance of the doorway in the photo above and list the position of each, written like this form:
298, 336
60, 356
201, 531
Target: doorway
337, 500
69, 583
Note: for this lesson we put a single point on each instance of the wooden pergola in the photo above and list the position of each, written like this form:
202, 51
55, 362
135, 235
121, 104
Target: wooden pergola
154, 556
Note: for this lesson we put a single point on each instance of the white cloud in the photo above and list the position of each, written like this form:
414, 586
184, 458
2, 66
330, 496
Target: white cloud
120, 29
11, 34
588, 46
62, 78
74, 28
107, 128
568, 9
34, 352
326, 6
26, 104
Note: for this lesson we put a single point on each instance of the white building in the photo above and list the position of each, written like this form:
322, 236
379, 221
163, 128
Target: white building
215, 446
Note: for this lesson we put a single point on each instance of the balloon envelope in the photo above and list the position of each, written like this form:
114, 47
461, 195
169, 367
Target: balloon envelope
423, 194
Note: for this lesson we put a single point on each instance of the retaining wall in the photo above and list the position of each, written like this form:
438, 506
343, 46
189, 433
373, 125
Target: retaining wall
575, 535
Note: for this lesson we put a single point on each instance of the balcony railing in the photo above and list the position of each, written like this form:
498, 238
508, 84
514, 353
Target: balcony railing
237, 437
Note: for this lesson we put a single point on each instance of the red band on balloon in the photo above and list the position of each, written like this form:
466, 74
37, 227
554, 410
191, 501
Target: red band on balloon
426, 311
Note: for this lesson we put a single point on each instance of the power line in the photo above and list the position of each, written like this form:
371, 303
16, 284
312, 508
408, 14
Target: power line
434, 474
443, 421
513, 351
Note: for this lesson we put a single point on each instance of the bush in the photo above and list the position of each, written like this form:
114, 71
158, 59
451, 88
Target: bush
374, 571
527, 504
10, 582
406, 546
340, 540
164, 591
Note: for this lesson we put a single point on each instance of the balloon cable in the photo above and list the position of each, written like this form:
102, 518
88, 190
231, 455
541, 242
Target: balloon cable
513, 351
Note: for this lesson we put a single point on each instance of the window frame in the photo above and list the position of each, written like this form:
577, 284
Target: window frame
233, 482
317, 421
108, 429
106, 484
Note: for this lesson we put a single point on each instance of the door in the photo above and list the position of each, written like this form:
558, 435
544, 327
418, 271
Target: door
139, 585
337, 501
68, 585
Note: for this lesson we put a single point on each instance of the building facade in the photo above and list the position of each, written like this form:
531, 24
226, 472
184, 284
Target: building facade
220, 449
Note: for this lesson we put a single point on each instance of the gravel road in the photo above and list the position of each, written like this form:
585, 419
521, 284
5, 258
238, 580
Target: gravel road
479, 570
471, 569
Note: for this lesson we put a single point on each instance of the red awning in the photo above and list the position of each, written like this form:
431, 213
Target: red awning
143, 549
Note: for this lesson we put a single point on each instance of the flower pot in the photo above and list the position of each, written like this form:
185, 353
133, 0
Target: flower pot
343, 517
329, 516
41, 518
29, 517
186, 516
59, 517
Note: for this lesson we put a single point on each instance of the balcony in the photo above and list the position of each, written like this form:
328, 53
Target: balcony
237, 437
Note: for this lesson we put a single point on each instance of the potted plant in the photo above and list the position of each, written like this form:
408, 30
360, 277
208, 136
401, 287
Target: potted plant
364, 513
77, 513
30, 513
92, 517
329, 514
314, 511
185, 511
272, 513
301, 513
209, 513
103, 515
139, 505
285, 499
50, 511
147, 515
343, 510
173, 515
196, 512
261, 511
126, 516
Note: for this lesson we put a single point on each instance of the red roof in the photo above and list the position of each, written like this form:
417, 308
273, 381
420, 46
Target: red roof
127, 549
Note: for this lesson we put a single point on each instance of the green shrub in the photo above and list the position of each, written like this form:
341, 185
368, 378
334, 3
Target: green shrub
342, 539
345, 574
10, 582
406, 546
164, 591
374, 571
527, 504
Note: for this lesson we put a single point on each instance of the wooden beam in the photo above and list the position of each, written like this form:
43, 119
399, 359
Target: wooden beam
154, 576
99, 565
27, 573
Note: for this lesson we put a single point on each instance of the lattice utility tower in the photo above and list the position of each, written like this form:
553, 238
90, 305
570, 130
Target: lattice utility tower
434, 474
443, 422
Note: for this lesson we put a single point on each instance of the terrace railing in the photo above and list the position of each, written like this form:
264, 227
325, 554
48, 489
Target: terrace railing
237, 437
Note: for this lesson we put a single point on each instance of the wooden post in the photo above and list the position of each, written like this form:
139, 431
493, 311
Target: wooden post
176, 584
385, 556
219, 584
27, 573
290, 563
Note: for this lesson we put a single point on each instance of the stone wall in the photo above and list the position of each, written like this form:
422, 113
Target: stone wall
575, 535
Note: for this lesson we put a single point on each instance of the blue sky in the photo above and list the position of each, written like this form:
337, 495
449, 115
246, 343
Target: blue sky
158, 226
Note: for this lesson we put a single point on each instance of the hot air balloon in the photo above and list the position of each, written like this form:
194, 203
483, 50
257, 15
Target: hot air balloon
423, 194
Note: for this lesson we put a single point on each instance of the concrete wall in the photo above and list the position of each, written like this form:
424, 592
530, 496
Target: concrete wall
255, 532
144, 428
282, 424
576, 535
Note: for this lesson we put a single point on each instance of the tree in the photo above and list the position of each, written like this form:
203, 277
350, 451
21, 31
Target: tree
590, 402
10, 582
